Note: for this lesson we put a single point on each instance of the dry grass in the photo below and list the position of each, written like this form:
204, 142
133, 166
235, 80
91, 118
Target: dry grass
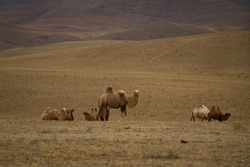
173, 76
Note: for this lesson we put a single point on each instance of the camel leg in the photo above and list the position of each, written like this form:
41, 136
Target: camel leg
100, 114
220, 119
123, 110
107, 115
192, 118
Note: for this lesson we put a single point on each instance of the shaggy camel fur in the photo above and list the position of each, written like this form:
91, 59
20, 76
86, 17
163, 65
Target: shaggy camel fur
218, 115
93, 115
54, 114
116, 99
200, 112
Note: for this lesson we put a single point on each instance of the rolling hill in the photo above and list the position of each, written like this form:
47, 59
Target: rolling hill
54, 21
213, 54
178, 54
173, 75
46, 72
17, 36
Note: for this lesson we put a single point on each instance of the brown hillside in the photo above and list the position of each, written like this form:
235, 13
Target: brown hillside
173, 75
16, 36
154, 30
78, 20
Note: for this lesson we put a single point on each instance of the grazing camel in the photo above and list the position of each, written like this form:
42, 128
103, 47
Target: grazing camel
54, 114
116, 99
216, 114
200, 112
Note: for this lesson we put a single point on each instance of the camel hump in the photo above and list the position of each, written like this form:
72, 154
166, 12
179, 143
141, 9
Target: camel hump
213, 108
109, 90
48, 108
218, 110
200, 106
121, 93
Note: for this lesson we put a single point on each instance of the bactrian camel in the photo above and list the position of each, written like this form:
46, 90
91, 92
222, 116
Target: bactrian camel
116, 99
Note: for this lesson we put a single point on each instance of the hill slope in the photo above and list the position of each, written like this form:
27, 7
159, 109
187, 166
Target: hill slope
79, 20
214, 54
50, 72
173, 76
16, 36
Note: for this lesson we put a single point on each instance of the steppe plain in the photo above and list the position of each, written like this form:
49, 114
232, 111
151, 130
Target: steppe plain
173, 76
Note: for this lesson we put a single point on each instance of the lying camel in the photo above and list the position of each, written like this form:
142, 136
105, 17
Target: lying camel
54, 114
91, 116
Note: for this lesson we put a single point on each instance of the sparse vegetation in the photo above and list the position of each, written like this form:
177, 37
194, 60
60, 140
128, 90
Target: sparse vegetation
239, 126
169, 155
170, 87
89, 129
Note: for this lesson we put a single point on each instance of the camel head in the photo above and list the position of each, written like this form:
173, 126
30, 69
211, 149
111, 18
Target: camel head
91, 116
136, 93
225, 116
134, 99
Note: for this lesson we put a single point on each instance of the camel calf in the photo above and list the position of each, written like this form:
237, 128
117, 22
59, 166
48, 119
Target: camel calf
92, 115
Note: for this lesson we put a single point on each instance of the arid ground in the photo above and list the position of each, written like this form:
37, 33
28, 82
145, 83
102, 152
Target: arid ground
173, 76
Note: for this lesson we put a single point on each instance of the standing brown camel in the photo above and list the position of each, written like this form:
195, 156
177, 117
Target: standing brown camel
116, 99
